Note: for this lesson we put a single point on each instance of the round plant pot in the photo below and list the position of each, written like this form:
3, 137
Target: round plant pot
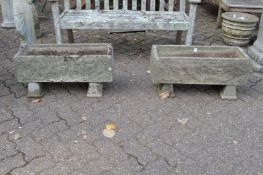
238, 28
236, 41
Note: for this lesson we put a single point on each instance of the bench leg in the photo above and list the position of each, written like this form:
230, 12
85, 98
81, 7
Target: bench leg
229, 93
219, 17
95, 90
166, 89
70, 36
190, 32
35, 90
55, 12
179, 37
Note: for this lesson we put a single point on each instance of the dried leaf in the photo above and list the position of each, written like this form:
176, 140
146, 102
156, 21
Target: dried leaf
17, 136
182, 121
11, 132
36, 100
164, 95
235, 142
109, 133
84, 118
110, 126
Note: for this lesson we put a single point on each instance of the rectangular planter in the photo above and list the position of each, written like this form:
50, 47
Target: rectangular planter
65, 63
215, 65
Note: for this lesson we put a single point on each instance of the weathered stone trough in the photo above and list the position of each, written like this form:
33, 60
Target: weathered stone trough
219, 65
90, 63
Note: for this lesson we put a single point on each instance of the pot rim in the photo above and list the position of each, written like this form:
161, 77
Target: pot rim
240, 17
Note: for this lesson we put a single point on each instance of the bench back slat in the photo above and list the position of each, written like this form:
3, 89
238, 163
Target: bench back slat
97, 4
182, 5
115, 4
171, 5
152, 5
161, 5
66, 4
143, 5
134, 5
88, 4
152, 8
79, 5
125, 5
106, 4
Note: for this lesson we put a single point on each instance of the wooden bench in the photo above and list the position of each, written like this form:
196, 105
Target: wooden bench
125, 15
247, 6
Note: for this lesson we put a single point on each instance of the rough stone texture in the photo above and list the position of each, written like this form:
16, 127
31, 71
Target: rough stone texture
62, 134
256, 51
199, 65
65, 63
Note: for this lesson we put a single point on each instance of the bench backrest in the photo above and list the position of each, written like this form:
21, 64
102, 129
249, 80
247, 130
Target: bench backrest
140, 5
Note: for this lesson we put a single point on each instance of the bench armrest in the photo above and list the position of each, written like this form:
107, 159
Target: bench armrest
194, 1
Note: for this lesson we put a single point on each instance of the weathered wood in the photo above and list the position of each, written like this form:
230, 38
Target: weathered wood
179, 37
106, 5
115, 4
55, 12
143, 5
171, 5
152, 5
88, 4
79, 5
125, 5
97, 4
246, 6
129, 19
70, 36
7, 13
134, 5
199, 65
65, 63
190, 32
126, 20
182, 5
66, 4
162, 5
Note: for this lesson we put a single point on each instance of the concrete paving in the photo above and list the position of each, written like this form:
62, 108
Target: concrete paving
62, 134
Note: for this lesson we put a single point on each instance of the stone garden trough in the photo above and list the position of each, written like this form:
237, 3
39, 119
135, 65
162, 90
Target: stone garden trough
211, 65
90, 63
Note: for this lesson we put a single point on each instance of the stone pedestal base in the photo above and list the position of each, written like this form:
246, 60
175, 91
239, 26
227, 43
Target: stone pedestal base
229, 93
8, 25
257, 58
35, 90
95, 90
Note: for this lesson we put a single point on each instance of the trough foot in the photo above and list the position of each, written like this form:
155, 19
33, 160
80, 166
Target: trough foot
35, 90
229, 93
166, 89
95, 90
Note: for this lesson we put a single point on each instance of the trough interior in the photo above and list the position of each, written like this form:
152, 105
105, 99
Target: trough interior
198, 52
66, 51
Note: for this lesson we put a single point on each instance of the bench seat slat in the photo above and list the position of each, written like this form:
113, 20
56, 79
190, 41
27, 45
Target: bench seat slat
115, 20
